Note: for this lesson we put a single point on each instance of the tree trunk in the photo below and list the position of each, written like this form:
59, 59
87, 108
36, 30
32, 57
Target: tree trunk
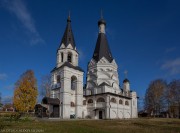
179, 110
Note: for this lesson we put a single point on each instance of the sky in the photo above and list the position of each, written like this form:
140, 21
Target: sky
143, 35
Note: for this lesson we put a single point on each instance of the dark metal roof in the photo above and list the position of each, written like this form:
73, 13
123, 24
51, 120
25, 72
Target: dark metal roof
68, 35
68, 65
101, 21
48, 100
102, 48
125, 80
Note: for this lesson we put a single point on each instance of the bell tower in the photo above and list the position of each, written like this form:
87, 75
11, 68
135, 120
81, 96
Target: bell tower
67, 51
67, 77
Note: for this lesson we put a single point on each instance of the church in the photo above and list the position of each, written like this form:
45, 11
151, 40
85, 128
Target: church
101, 97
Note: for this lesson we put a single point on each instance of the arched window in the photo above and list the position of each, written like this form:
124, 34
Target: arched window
58, 78
100, 99
84, 102
62, 57
69, 57
113, 100
126, 103
113, 84
120, 101
90, 101
73, 83
72, 104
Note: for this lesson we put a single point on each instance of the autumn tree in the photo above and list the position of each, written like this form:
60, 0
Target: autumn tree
25, 93
45, 85
154, 97
173, 96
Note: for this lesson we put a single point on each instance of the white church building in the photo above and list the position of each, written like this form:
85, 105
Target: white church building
102, 96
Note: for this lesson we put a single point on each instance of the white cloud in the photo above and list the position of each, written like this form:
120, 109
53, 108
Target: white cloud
173, 66
169, 50
7, 99
3, 76
19, 9
9, 87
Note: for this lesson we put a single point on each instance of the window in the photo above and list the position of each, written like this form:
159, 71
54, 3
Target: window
120, 101
72, 104
126, 103
91, 92
84, 102
69, 57
113, 100
100, 100
58, 79
90, 101
69, 39
61, 57
73, 83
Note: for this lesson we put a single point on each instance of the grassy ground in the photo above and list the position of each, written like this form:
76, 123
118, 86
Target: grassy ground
93, 126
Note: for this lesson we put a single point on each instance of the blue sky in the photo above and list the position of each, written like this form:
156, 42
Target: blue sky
144, 37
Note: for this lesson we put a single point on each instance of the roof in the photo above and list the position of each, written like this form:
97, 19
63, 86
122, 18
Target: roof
102, 48
48, 100
67, 64
110, 93
101, 21
68, 35
103, 84
125, 80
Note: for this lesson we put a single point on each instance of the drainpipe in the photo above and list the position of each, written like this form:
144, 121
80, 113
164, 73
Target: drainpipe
109, 107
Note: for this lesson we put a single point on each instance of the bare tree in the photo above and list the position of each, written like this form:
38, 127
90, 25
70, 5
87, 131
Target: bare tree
45, 85
174, 97
154, 97
1, 100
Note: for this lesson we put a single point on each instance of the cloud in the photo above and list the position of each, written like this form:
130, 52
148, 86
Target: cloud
169, 50
9, 87
7, 99
3, 76
173, 66
19, 9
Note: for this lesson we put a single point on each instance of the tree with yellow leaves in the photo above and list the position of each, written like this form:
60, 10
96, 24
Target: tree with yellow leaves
25, 93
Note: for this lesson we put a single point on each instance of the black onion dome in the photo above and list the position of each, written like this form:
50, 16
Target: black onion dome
125, 80
101, 21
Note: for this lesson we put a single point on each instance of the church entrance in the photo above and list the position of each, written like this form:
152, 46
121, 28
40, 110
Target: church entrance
100, 115
55, 110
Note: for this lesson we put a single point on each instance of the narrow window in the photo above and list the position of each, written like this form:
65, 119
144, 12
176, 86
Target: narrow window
58, 79
72, 104
84, 102
61, 57
127, 103
69, 57
120, 101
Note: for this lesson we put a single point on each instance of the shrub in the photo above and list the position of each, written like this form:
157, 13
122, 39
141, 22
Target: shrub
10, 115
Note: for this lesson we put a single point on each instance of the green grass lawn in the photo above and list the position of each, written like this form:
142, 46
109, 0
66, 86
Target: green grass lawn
93, 126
